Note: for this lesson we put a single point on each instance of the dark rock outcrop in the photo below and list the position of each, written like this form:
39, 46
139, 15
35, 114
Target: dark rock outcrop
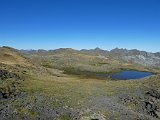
152, 103
4, 74
154, 93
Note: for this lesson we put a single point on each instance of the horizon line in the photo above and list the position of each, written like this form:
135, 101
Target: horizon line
81, 49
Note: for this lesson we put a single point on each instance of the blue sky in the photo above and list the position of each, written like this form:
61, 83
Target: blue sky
51, 24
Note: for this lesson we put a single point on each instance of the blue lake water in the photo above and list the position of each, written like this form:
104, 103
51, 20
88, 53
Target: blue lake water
128, 74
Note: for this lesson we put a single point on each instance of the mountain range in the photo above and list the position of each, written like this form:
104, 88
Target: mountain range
133, 56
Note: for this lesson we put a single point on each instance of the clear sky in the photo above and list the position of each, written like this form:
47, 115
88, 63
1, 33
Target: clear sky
51, 24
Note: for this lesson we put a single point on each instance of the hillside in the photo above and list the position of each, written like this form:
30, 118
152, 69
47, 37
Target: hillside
63, 84
11, 56
132, 56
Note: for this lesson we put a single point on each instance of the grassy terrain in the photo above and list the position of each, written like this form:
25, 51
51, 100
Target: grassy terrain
64, 86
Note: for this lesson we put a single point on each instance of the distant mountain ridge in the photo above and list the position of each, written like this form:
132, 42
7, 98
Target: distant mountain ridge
134, 55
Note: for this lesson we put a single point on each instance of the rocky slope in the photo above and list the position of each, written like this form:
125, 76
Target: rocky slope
136, 56
132, 56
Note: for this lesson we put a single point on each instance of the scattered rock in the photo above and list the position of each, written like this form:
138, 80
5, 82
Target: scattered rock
4, 74
154, 93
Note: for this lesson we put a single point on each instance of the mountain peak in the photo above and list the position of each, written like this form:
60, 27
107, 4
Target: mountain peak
97, 48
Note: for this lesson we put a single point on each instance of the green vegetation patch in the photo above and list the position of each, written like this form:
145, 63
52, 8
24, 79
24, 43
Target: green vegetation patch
85, 74
64, 117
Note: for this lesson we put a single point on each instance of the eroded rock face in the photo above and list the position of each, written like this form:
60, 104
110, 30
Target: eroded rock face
136, 56
147, 103
9, 84
4, 74
152, 103
154, 93
151, 108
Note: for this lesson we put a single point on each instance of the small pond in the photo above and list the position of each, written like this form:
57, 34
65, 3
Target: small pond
127, 74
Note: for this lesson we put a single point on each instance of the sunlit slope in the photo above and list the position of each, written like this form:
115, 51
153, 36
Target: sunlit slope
11, 56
